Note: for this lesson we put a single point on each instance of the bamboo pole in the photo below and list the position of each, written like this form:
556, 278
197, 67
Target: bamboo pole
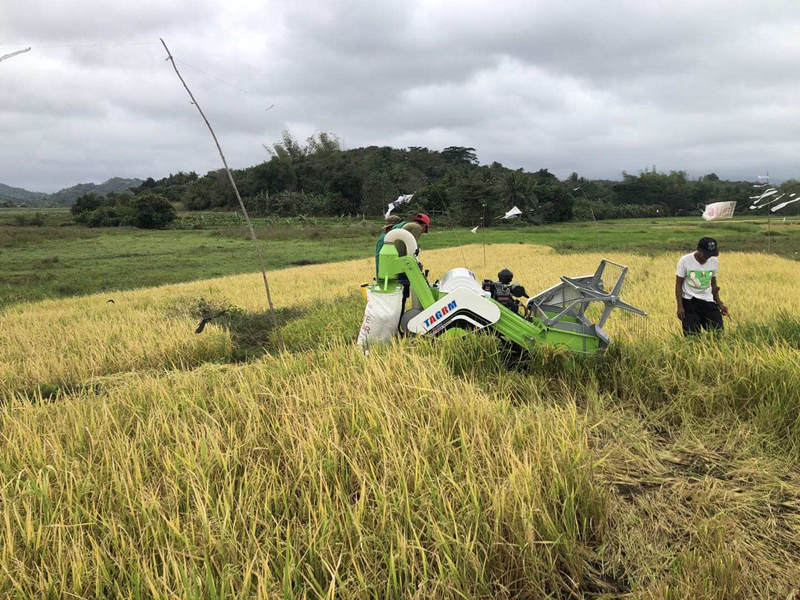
12, 54
483, 232
238, 197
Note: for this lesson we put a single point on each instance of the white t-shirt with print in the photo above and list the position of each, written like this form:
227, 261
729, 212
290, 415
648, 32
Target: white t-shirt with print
697, 277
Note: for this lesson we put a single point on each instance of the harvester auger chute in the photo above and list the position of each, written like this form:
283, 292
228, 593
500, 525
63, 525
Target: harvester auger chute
555, 316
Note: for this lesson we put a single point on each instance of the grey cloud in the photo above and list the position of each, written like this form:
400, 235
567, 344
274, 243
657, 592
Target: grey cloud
582, 86
88, 21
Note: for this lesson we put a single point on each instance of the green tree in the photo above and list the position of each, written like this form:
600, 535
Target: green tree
152, 211
84, 205
460, 155
475, 197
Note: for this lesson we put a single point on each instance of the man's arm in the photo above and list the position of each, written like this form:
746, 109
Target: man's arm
679, 296
715, 293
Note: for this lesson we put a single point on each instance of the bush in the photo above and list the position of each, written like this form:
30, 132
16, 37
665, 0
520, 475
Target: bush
103, 216
145, 211
36, 220
84, 205
152, 211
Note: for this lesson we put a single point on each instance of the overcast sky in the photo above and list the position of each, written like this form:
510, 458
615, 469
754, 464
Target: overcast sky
593, 87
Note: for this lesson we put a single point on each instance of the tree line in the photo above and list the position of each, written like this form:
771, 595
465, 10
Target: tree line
318, 178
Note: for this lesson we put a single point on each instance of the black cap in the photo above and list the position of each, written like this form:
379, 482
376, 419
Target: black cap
708, 246
505, 276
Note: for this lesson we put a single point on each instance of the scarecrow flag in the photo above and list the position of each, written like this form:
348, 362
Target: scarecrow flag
475, 229
782, 204
773, 201
719, 210
767, 194
514, 212
400, 200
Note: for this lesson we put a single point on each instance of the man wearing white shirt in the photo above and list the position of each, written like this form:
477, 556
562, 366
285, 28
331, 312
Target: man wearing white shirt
696, 290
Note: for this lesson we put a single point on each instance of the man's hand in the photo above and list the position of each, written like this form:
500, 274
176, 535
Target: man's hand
679, 297
723, 309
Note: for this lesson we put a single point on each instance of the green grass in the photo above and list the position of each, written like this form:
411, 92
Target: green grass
59, 259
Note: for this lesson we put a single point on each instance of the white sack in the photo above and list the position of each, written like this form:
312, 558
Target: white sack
381, 317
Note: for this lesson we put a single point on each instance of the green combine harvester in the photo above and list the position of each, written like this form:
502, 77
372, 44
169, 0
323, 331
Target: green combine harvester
458, 303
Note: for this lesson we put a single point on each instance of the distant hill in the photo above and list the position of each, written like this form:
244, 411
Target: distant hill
18, 195
66, 196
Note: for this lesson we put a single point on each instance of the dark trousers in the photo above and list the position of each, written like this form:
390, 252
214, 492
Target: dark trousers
700, 315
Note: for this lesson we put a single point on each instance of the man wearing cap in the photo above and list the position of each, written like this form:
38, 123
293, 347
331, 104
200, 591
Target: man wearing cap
416, 227
696, 290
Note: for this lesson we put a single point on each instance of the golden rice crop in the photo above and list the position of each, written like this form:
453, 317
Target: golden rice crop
665, 469
69, 342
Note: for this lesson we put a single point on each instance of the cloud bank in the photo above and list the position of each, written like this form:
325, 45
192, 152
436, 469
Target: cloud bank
591, 87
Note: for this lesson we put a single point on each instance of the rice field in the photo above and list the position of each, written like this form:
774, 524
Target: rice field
144, 460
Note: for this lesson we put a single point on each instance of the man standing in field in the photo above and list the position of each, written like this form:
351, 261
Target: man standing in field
696, 290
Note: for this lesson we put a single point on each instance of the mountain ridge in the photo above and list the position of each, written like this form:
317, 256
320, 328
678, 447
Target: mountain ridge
65, 196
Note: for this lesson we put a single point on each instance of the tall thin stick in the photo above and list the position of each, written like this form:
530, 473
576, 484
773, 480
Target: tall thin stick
769, 233
238, 197
483, 232
11, 54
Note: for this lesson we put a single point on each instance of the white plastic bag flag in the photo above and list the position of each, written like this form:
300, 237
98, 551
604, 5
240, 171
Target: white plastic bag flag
475, 229
773, 201
782, 204
719, 210
400, 200
766, 194
514, 212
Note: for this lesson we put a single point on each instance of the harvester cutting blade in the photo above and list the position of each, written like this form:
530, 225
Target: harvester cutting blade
568, 300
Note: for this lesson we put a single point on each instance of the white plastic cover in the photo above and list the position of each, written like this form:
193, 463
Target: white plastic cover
381, 317
459, 277
405, 236
461, 305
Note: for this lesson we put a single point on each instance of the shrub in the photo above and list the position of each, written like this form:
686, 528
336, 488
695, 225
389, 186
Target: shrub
152, 211
146, 211
36, 220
